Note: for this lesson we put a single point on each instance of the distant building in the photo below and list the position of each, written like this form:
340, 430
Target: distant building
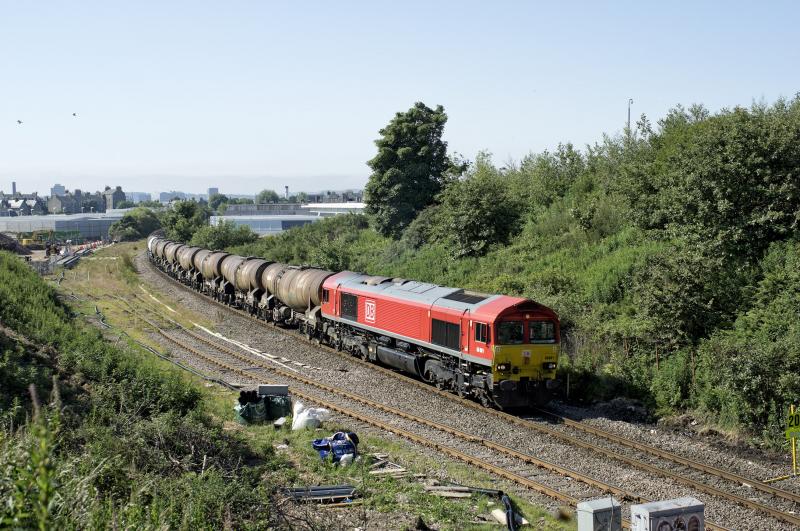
334, 196
57, 189
212, 192
76, 203
19, 204
265, 225
88, 226
166, 197
294, 209
113, 197
62, 204
137, 197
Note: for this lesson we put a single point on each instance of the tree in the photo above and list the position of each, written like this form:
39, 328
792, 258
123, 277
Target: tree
126, 204
267, 196
225, 234
184, 219
477, 212
134, 225
727, 181
409, 169
216, 200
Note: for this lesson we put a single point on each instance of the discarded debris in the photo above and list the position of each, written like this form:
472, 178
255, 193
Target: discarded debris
269, 402
324, 494
278, 424
311, 417
337, 447
500, 516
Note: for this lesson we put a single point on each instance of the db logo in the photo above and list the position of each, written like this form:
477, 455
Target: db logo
369, 311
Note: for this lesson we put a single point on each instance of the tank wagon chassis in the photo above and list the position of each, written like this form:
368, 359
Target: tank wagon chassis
293, 296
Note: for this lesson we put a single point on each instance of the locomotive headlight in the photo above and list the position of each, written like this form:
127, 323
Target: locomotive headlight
503, 367
550, 365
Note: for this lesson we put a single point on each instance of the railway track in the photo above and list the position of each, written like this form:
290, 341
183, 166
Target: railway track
243, 365
676, 474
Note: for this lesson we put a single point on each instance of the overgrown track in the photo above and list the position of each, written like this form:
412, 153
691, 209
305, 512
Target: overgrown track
662, 471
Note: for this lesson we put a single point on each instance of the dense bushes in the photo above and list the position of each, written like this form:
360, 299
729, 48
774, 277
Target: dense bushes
112, 441
135, 225
650, 247
224, 234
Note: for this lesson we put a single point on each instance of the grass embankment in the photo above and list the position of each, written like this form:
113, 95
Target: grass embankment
147, 428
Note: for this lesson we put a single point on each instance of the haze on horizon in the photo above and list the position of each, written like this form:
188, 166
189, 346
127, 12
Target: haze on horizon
187, 95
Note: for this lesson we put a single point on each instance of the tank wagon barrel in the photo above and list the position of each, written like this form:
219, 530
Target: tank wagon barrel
160, 248
229, 267
185, 256
300, 288
171, 250
212, 265
151, 244
199, 258
249, 274
271, 275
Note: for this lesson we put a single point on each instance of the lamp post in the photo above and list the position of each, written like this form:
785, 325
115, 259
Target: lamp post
630, 102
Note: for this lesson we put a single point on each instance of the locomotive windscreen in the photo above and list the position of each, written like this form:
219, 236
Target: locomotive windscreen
349, 306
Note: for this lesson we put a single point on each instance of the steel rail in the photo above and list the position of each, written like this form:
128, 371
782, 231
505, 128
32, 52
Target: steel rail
509, 452
622, 493
453, 452
614, 438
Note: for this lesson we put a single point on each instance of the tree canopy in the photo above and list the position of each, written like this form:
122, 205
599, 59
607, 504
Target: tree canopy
184, 218
409, 169
134, 225
224, 234
216, 200
267, 196
477, 212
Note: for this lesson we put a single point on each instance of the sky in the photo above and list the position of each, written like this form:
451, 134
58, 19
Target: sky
247, 95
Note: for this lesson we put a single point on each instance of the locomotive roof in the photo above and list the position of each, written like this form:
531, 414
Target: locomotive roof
412, 290
479, 306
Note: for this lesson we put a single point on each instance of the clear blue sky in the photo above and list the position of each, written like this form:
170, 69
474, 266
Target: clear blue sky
251, 95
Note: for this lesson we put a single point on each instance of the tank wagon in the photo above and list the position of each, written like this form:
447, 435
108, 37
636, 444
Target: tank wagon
500, 350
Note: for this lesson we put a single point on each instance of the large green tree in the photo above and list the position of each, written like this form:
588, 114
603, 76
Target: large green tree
409, 169
477, 212
184, 219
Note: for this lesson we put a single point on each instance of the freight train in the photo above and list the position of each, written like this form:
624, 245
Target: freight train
500, 350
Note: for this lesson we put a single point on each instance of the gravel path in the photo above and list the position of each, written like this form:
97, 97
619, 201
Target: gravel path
362, 380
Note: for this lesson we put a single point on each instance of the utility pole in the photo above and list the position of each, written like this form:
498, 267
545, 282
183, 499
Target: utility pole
630, 102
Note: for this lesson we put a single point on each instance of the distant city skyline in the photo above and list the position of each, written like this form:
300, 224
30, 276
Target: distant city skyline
252, 95
6, 186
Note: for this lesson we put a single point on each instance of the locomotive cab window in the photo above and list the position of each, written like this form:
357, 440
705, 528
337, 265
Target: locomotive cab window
325, 295
482, 332
511, 333
542, 331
